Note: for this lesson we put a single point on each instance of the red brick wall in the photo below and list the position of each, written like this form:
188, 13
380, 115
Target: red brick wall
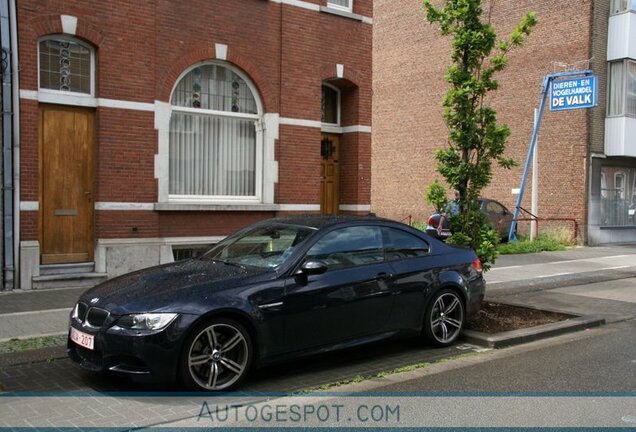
175, 224
410, 60
125, 156
126, 224
299, 165
143, 47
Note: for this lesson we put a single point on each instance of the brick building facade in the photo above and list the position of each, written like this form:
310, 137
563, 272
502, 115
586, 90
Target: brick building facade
587, 158
155, 125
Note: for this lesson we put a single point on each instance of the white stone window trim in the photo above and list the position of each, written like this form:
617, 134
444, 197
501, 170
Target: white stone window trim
258, 171
53, 95
266, 168
328, 9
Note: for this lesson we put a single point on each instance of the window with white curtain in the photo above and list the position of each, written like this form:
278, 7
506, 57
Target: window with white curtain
213, 137
621, 99
346, 5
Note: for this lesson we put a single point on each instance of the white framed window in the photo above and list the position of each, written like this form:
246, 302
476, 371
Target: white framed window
620, 6
215, 142
330, 105
66, 66
345, 5
621, 99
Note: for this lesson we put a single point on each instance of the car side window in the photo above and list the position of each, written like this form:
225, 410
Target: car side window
494, 207
401, 245
348, 247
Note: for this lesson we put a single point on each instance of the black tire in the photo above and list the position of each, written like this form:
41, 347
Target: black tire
216, 356
444, 318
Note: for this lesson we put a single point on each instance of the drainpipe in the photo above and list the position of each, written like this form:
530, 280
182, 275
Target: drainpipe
7, 143
16, 141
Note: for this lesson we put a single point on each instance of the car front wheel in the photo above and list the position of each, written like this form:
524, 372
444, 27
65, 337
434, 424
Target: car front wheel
444, 318
217, 356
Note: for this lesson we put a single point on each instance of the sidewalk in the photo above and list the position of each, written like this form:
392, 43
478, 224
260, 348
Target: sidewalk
516, 278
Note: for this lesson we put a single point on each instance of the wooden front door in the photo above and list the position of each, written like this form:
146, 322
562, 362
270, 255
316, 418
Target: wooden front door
66, 158
329, 174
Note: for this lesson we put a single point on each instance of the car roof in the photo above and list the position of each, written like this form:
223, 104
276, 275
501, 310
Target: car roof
322, 221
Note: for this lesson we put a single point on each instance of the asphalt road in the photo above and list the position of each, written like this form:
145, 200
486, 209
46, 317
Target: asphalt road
597, 360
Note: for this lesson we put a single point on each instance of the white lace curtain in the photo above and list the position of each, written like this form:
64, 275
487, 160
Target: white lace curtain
213, 135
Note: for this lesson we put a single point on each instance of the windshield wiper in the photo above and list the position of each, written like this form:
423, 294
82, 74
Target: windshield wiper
230, 263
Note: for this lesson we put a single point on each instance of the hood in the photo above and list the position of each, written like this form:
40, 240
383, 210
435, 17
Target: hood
168, 287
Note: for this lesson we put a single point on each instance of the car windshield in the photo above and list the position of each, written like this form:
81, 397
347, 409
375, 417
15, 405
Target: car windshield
264, 247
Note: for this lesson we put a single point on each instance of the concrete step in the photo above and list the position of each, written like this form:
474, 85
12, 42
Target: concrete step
74, 268
77, 280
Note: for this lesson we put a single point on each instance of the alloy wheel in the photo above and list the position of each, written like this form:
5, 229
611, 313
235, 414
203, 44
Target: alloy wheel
446, 318
219, 356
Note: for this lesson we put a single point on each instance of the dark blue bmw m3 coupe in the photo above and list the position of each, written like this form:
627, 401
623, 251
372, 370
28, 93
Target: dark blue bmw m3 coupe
278, 289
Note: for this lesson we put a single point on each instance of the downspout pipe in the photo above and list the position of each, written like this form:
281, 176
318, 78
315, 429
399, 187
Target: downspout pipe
7, 144
16, 141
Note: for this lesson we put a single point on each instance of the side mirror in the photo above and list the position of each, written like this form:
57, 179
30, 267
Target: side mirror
313, 268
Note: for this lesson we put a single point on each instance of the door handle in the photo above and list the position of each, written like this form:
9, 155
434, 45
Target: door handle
383, 276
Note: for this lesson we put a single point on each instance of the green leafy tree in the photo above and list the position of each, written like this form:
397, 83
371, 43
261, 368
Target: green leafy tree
476, 140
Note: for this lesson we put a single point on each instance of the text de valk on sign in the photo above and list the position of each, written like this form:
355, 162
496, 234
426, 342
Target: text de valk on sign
572, 93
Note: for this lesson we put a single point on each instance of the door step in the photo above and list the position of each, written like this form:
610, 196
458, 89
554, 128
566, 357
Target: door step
79, 280
75, 268
81, 275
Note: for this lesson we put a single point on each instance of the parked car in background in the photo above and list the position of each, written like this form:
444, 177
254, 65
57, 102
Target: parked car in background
500, 218
278, 289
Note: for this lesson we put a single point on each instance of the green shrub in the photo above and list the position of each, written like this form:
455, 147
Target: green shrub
544, 242
419, 225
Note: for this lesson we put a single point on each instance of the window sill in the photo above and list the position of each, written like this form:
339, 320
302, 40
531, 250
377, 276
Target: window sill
343, 13
216, 207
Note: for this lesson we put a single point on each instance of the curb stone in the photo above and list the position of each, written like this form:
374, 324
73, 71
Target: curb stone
531, 334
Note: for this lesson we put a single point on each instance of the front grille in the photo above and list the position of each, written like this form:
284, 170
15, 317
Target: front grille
81, 311
96, 317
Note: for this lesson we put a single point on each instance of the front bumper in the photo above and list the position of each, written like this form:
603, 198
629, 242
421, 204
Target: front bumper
152, 357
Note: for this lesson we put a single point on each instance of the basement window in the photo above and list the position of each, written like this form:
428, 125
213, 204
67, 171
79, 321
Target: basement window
183, 252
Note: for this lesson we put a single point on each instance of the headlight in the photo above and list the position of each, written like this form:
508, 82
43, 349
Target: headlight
145, 321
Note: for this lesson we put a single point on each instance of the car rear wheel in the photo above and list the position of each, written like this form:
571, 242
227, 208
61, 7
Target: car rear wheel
217, 356
444, 318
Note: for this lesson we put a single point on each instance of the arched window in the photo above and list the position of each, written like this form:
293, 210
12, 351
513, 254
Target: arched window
213, 135
66, 65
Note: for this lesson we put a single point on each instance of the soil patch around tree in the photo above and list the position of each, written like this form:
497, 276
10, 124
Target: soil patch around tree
499, 317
